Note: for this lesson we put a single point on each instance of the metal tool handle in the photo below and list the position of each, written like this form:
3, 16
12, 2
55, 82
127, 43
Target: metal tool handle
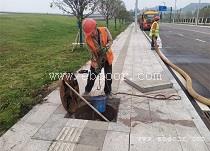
83, 99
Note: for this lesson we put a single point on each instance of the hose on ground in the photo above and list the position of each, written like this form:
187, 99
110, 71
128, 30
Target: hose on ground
156, 97
188, 79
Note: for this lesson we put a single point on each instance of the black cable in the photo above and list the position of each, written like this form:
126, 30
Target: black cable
157, 97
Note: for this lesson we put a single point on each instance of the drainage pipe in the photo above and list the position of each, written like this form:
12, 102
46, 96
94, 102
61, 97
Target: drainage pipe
188, 79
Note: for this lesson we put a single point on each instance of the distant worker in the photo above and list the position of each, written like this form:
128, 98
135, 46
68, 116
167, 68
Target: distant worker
99, 41
154, 31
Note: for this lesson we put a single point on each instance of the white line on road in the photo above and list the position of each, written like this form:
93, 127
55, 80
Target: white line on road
200, 40
208, 33
189, 25
194, 31
194, 25
181, 35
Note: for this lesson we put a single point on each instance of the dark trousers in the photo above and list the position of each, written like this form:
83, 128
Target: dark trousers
93, 75
153, 42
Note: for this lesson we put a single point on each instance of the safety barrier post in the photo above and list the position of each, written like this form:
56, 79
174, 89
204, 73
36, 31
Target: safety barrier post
206, 20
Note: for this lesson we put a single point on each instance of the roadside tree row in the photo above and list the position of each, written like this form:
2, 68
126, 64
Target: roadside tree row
81, 9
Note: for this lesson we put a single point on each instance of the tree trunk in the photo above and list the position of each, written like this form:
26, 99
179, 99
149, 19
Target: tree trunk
119, 22
80, 32
115, 23
107, 22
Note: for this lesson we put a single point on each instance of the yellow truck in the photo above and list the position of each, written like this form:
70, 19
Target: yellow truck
146, 19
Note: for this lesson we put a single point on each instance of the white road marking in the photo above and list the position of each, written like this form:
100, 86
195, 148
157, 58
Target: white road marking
189, 25
194, 25
196, 31
208, 33
181, 35
200, 40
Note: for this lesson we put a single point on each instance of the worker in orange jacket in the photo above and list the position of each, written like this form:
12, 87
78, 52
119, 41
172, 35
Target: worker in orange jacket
99, 41
154, 31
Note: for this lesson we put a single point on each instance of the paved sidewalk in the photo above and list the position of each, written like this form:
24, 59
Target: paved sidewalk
142, 124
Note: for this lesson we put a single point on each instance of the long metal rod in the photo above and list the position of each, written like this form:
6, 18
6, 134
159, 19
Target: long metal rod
136, 15
83, 99
174, 10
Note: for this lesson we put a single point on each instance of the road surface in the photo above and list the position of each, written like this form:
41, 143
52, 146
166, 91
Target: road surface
189, 48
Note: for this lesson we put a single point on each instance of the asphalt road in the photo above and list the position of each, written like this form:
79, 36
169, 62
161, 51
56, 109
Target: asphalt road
189, 48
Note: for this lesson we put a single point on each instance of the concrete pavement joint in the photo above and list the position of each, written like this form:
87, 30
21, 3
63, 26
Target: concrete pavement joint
120, 60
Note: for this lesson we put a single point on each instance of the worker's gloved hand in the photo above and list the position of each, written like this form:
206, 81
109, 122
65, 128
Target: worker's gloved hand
104, 49
101, 59
97, 70
101, 54
100, 65
108, 46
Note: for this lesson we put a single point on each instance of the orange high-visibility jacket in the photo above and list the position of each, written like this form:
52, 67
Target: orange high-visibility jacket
94, 49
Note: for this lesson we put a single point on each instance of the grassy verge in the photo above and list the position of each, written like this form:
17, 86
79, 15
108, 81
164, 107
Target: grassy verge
31, 47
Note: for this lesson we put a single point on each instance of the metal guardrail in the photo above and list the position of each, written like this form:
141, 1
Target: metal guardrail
201, 21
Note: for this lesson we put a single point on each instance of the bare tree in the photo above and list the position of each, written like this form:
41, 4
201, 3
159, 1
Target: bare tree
78, 8
106, 8
119, 5
122, 13
205, 11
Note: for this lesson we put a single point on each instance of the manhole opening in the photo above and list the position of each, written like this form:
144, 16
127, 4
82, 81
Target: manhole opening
86, 113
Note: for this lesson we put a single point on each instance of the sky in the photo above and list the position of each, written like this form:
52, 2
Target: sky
43, 6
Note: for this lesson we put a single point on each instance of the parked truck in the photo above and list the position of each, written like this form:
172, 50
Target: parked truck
146, 19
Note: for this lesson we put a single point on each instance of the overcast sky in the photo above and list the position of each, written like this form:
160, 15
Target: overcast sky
43, 6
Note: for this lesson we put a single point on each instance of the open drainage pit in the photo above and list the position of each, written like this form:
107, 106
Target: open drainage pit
86, 113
